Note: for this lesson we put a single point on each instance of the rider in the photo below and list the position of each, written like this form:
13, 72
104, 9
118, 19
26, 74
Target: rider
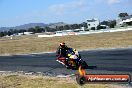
62, 51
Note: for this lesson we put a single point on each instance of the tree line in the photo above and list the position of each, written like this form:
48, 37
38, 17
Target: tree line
39, 29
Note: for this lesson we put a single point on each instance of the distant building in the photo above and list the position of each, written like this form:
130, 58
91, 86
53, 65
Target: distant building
19, 34
25, 33
121, 21
82, 28
28, 33
60, 33
104, 27
92, 23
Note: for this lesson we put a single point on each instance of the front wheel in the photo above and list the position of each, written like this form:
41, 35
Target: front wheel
80, 80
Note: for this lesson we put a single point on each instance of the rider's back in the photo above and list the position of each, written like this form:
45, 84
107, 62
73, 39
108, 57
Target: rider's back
62, 51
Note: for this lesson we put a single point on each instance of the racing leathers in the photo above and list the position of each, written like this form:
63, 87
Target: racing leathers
62, 52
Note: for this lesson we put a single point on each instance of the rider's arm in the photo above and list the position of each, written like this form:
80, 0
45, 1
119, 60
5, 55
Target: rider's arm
58, 52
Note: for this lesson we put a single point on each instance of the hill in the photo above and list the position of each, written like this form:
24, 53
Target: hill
32, 25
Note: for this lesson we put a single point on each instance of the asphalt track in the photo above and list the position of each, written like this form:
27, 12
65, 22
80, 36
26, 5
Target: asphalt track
115, 61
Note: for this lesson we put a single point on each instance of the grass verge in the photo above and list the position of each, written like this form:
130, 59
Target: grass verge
17, 81
33, 44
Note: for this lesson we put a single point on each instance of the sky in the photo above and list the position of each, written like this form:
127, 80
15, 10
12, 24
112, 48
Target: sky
18, 12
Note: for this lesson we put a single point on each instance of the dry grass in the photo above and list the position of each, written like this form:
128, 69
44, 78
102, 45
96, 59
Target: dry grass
15, 81
33, 44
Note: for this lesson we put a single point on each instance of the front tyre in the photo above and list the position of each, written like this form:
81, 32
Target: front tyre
80, 80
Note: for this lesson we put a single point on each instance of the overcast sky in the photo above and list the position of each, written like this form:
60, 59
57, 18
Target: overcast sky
18, 12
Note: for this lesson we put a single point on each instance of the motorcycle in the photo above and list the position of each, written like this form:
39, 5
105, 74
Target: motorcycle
73, 61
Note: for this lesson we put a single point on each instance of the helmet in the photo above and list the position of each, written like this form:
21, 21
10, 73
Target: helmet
62, 44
